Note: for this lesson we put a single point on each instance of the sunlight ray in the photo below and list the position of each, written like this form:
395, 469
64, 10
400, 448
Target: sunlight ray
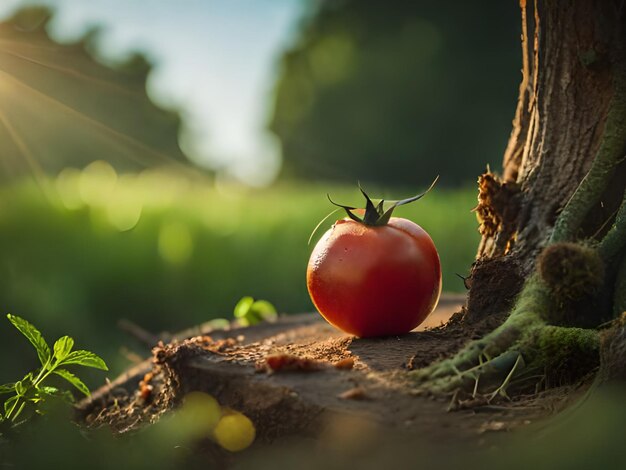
9, 166
40, 47
130, 141
38, 173
73, 73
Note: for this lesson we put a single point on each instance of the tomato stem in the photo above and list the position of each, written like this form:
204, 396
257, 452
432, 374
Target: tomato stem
376, 216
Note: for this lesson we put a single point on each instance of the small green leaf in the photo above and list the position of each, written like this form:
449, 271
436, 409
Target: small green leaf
250, 312
46, 396
18, 411
8, 405
219, 324
243, 306
62, 348
265, 309
75, 381
20, 388
7, 388
85, 358
33, 335
47, 390
28, 379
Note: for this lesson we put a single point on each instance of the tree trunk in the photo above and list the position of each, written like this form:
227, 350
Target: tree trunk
568, 115
550, 266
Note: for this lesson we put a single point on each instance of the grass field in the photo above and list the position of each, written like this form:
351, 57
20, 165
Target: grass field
94, 247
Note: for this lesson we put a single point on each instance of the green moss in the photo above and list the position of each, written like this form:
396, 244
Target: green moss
571, 270
565, 354
531, 302
574, 274
525, 320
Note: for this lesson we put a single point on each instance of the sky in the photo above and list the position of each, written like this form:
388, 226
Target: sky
215, 61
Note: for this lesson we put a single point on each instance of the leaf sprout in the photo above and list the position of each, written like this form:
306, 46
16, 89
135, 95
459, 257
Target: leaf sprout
33, 390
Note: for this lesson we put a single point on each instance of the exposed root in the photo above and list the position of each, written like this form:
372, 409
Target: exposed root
493, 355
523, 352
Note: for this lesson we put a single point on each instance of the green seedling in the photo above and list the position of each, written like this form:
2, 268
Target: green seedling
250, 312
34, 390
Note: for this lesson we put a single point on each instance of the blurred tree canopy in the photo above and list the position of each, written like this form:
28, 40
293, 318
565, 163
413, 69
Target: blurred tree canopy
60, 107
398, 92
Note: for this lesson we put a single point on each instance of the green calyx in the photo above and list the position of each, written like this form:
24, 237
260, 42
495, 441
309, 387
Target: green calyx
376, 215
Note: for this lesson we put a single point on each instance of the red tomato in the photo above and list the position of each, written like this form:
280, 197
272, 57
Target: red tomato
375, 280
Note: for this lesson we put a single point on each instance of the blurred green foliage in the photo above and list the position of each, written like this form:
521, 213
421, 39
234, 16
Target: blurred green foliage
61, 107
168, 253
398, 92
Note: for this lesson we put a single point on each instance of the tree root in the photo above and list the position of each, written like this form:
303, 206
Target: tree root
524, 349
492, 354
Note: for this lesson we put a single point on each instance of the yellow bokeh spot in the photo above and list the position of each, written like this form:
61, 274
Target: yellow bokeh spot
124, 216
175, 242
234, 431
68, 188
97, 183
199, 415
124, 207
194, 421
159, 188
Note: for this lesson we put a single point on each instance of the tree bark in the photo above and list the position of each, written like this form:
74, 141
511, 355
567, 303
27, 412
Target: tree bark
567, 115
550, 265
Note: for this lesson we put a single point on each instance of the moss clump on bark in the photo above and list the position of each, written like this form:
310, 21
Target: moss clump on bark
571, 271
574, 274
565, 354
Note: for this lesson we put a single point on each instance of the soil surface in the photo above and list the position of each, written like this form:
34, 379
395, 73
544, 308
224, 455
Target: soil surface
299, 375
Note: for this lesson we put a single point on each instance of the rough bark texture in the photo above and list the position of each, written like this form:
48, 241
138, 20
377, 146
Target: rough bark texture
572, 64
